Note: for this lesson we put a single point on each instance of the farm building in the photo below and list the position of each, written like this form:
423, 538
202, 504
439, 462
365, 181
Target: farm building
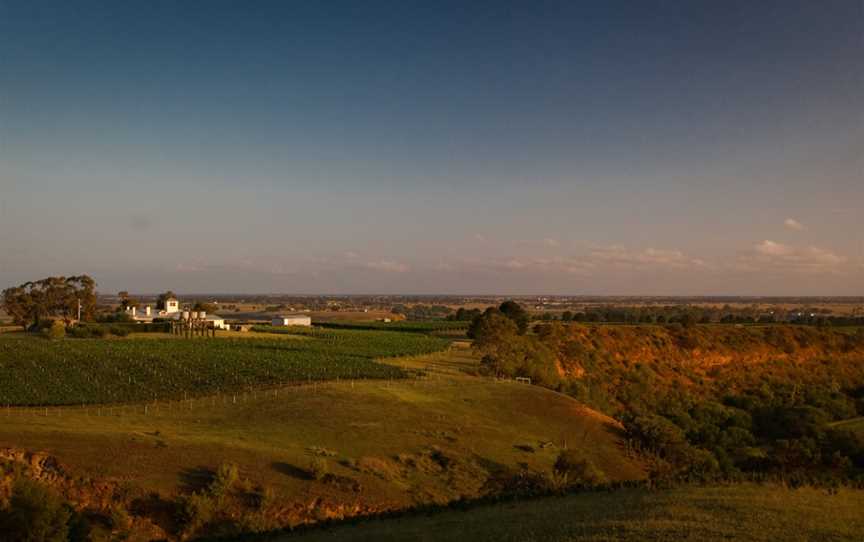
292, 320
172, 312
172, 307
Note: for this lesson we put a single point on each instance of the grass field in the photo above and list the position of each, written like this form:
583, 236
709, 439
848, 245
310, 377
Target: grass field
742, 512
404, 442
36, 371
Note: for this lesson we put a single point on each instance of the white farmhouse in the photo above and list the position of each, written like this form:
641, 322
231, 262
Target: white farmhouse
292, 320
172, 312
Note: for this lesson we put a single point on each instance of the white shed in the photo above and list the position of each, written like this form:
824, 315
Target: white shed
292, 320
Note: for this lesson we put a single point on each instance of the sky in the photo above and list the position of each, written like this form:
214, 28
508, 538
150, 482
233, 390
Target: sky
645, 148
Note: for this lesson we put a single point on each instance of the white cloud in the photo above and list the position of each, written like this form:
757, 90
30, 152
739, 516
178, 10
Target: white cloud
793, 225
597, 260
770, 248
389, 266
619, 256
770, 254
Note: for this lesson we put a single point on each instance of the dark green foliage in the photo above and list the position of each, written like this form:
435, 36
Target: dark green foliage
206, 307
464, 315
88, 332
515, 312
54, 297
700, 421
35, 514
507, 353
578, 470
117, 329
195, 510
422, 312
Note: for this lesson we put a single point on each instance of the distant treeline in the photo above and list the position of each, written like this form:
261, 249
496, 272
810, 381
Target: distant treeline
702, 315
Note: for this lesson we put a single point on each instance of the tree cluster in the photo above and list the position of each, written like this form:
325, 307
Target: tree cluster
500, 337
32, 303
422, 312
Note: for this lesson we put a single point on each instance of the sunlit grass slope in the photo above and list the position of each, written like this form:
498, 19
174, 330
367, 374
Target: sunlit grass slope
376, 432
741, 513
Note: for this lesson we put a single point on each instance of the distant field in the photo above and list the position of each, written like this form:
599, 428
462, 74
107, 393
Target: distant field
403, 325
743, 512
35, 371
258, 313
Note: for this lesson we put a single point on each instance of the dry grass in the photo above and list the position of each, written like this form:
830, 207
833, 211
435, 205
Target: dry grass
744, 512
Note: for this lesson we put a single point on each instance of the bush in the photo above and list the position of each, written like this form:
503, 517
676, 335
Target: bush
118, 331
521, 483
319, 468
195, 511
226, 478
35, 515
658, 435
87, 332
56, 331
578, 470
119, 520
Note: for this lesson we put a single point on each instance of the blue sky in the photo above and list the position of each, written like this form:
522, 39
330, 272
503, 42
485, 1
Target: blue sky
574, 148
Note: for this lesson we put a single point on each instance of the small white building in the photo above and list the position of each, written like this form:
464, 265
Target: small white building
292, 320
172, 312
172, 308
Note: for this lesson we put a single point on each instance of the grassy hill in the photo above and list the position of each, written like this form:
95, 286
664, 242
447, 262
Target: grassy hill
743, 512
384, 445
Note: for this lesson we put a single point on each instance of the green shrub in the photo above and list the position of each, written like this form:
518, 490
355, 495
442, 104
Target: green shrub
194, 511
118, 331
577, 470
319, 468
79, 332
119, 519
87, 331
35, 515
226, 478
56, 331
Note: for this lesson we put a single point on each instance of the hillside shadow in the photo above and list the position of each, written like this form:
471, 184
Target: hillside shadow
196, 479
161, 512
290, 470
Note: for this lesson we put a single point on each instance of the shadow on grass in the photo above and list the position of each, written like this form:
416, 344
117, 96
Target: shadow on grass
290, 470
196, 479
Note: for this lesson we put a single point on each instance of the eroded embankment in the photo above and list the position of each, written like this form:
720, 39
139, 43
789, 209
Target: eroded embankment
701, 347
